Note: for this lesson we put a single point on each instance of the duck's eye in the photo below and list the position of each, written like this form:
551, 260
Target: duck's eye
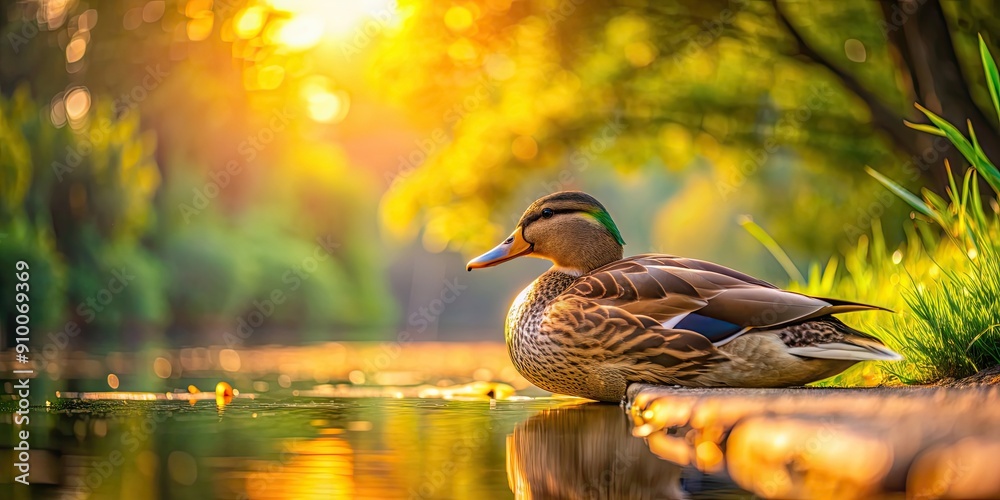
546, 213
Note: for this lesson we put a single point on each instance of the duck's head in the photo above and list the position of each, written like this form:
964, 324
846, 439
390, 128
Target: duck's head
569, 228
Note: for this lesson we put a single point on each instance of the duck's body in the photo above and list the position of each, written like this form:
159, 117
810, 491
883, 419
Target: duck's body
590, 328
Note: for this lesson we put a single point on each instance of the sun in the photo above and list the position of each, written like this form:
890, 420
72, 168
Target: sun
312, 20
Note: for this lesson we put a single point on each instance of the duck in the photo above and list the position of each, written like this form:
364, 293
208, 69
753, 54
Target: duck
595, 322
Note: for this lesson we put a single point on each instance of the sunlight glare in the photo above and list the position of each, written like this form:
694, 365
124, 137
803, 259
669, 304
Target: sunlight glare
299, 33
335, 19
249, 22
324, 104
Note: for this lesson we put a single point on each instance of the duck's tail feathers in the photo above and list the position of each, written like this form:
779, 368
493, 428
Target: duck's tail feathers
851, 347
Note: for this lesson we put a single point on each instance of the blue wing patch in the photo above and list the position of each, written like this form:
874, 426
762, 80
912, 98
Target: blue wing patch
714, 329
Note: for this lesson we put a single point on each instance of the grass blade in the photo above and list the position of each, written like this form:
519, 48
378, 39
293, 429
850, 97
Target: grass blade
953, 194
984, 165
772, 246
965, 198
992, 76
923, 127
952, 133
900, 191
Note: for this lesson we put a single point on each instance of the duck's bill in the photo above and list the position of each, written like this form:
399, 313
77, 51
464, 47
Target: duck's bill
511, 248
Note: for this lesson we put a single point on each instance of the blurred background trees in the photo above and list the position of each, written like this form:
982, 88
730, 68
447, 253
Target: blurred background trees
343, 155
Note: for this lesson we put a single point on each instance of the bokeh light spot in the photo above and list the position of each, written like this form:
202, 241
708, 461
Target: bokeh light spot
161, 367
524, 147
499, 66
76, 49
153, 11
640, 54
324, 106
270, 77
458, 18
229, 360
250, 22
132, 19
200, 28
57, 113
855, 50
197, 8
299, 33
462, 50
323, 103
77, 103
87, 20
147, 462
53, 13
183, 467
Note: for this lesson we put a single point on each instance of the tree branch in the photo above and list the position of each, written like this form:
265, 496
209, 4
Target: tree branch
884, 117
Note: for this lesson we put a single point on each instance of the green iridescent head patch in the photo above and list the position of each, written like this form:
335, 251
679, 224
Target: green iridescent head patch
604, 218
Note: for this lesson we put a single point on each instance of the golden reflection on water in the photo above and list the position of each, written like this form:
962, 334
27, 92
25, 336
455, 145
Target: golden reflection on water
320, 468
289, 427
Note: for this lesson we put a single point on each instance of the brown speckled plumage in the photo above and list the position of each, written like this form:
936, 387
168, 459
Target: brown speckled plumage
592, 325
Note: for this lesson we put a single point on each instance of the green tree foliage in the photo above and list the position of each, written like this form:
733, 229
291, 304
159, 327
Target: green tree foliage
80, 198
208, 194
784, 101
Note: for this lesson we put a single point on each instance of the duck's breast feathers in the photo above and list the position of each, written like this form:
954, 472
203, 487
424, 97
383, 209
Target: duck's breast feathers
707, 298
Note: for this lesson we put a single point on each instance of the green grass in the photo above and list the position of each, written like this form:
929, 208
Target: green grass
943, 281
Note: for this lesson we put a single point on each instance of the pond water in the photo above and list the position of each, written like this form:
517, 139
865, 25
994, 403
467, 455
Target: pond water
440, 420
301, 447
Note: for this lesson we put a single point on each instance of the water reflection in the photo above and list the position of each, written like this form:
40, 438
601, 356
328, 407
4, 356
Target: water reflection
190, 447
668, 444
315, 468
586, 451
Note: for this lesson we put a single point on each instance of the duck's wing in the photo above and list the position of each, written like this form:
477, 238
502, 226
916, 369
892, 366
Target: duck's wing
686, 294
636, 346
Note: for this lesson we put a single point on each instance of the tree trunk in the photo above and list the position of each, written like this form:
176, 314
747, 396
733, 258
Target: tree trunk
921, 45
923, 42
